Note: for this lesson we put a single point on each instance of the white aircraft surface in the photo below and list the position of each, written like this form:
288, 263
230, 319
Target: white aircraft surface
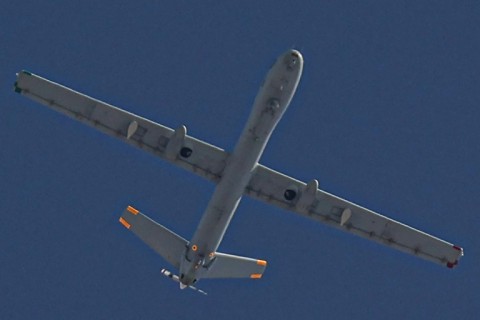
235, 174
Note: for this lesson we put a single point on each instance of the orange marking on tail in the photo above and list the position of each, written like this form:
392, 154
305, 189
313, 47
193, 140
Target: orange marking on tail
262, 263
125, 223
132, 210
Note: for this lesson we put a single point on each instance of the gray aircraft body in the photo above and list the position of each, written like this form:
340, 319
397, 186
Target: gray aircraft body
235, 174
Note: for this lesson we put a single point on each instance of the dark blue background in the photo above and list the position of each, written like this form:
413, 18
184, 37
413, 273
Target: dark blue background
386, 115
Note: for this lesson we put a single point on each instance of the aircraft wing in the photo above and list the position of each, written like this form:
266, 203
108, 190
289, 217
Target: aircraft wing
308, 200
189, 153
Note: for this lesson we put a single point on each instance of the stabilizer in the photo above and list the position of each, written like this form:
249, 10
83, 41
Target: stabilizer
230, 266
165, 242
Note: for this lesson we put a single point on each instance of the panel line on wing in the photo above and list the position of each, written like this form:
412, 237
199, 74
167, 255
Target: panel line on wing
207, 161
269, 186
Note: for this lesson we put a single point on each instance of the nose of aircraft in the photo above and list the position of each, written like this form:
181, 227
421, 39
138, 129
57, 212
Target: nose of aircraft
293, 58
295, 53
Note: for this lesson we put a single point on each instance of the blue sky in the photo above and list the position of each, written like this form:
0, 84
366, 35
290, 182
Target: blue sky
386, 115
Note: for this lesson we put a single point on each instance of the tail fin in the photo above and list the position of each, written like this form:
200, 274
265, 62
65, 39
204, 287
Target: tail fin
166, 243
230, 266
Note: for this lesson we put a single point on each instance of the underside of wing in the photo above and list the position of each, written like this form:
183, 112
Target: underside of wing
176, 146
306, 199
163, 241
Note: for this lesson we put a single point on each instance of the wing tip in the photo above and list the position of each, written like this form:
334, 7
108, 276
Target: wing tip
16, 88
458, 248
453, 264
